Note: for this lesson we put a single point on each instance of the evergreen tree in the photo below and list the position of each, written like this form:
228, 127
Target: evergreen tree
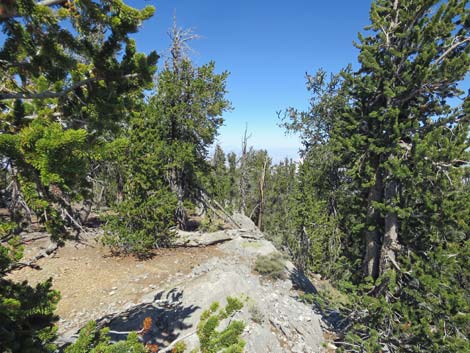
234, 198
219, 184
188, 105
410, 68
400, 147
280, 189
69, 78
257, 164
167, 152
65, 90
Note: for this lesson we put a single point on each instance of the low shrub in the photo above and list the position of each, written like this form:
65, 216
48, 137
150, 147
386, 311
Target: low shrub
271, 266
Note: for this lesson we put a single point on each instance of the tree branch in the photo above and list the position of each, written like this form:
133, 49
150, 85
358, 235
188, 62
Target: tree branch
172, 344
452, 47
32, 262
7, 15
52, 94
46, 94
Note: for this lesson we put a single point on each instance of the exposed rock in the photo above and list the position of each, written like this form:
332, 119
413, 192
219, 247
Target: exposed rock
280, 322
244, 222
197, 239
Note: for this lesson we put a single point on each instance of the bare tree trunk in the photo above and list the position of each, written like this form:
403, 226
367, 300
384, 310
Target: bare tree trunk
177, 187
261, 194
17, 207
372, 236
390, 239
243, 174
85, 211
120, 189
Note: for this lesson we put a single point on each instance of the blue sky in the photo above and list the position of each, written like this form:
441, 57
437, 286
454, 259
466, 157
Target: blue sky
267, 46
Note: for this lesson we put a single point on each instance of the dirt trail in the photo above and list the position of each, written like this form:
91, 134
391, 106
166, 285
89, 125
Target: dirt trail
93, 283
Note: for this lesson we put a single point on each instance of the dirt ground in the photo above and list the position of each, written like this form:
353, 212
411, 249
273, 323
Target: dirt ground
93, 283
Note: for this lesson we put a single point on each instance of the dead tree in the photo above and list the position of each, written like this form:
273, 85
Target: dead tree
261, 192
244, 173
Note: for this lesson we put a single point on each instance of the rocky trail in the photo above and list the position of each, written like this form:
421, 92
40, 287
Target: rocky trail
176, 285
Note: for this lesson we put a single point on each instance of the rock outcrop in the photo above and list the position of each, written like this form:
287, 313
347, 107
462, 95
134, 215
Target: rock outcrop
276, 321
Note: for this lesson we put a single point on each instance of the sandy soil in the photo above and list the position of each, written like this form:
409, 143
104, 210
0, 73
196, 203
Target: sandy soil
93, 283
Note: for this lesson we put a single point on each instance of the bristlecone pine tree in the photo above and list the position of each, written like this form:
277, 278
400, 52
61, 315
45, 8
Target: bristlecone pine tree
168, 151
187, 109
400, 144
69, 74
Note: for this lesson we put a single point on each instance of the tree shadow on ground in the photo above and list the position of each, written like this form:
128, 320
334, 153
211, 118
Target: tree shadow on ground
301, 281
168, 316
333, 318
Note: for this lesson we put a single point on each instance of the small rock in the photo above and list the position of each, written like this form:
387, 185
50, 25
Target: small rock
330, 345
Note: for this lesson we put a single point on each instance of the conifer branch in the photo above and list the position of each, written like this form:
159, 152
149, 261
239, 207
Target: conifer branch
172, 344
455, 45
46, 94
52, 94
6, 15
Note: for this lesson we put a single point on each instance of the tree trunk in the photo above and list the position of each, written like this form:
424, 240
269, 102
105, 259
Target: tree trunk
177, 187
261, 194
243, 175
120, 189
372, 236
85, 211
390, 239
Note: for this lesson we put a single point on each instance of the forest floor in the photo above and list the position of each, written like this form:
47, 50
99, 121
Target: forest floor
93, 283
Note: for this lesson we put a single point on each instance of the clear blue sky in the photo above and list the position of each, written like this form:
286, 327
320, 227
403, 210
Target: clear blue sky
267, 46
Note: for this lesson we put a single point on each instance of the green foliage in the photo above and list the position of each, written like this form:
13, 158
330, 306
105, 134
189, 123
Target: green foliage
315, 240
210, 223
279, 223
26, 313
219, 182
226, 341
382, 185
27, 316
144, 218
71, 78
271, 266
185, 114
66, 93
256, 314
166, 154
142, 223
179, 347
92, 341
425, 309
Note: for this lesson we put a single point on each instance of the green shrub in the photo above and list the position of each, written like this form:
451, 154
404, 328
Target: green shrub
256, 314
210, 224
179, 347
141, 224
271, 266
91, 340
226, 341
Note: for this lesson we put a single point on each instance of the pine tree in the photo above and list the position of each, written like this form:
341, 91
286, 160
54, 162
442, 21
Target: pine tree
219, 183
65, 90
69, 77
188, 105
258, 165
400, 146
167, 152
410, 68
278, 223
234, 196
